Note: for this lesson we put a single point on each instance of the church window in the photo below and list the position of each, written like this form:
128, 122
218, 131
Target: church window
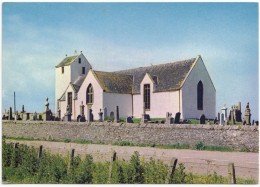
90, 94
62, 70
83, 70
79, 60
200, 96
147, 96
70, 101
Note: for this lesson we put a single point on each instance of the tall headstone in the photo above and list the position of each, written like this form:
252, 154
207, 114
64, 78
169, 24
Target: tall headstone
100, 116
10, 115
47, 104
218, 116
117, 115
222, 119
247, 115
81, 117
177, 118
89, 113
105, 113
23, 111
112, 116
48, 113
253, 123
224, 111
35, 116
67, 116
232, 117
202, 119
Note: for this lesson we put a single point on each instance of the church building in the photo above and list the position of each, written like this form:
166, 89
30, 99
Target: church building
184, 86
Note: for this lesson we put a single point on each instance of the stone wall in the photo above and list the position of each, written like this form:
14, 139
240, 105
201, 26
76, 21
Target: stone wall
238, 137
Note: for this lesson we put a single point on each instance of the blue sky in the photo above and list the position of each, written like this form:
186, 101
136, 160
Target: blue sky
113, 36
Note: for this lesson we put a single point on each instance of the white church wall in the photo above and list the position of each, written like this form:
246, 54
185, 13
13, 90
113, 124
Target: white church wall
161, 102
76, 67
98, 95
123, 101
62, 81
189, 93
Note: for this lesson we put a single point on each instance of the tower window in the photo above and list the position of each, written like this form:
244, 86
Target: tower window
62, 70
147, 95
79, 60
83, 70
200, 96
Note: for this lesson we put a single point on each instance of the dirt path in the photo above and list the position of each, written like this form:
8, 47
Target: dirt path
202, 162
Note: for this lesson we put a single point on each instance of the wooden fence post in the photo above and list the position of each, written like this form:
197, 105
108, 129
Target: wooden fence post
71, 158
112, 160
40, 152
171, 170
231, 173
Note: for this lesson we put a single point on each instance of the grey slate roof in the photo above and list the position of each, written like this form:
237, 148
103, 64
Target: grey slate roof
115, 83
78, 82
167, 77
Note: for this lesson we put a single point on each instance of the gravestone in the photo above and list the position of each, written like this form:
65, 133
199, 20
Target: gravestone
224, 111
100, 115
27, 116
112, 116
117, 115
208, 123
177, 118
10, 115
256, 123
35, 116
48, 113
67, 116
145, 118
23, 111
169, 118
129, 120
215, 121
81, 117
59, 114
247, 115
232, 117
253, 123
105, 113
218, 116
222, 119
91, 116
202, 119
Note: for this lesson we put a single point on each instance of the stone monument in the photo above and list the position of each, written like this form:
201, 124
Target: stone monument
247, 115
67, 115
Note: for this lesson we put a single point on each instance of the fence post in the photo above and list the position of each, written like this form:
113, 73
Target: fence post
171, 170
112, 160
15, 155
231, 173
71, 158
40, 152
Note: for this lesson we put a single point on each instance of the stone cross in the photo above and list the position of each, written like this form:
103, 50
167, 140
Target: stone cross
117, 115
247, 115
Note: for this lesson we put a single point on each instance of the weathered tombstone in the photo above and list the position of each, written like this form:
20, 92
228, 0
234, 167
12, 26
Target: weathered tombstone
232, 117
27, 116
105, 113
145, 118
3, 117
224, 111
10, 115
59, 113
247, 115
202, 119
91, 117
256, 123
112, 115
177, 118
48, 113
129, 120
169, 119
67, 116
218, 116
81, 117
35, 116
117, 115
222, 119
100, 116
253, 123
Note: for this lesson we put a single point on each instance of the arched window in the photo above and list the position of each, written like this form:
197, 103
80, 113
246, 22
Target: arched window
200, 96
90, 94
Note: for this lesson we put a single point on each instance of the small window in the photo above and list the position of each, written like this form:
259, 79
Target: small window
147, 96
83, 70
79, 60
62, 70
90, 94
